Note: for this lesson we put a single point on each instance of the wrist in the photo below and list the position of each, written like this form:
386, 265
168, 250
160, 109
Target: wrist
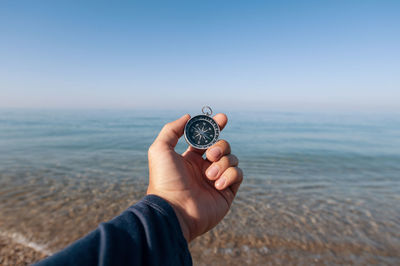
182, 222
178, 212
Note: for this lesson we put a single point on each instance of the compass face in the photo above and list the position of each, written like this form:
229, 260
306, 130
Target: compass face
201, 131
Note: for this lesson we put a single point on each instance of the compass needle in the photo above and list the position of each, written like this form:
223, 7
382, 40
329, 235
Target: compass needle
202, 131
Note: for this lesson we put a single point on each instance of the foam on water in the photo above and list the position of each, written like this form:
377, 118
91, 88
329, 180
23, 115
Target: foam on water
20, 239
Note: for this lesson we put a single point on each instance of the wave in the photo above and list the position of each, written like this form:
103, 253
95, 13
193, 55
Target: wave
22, 240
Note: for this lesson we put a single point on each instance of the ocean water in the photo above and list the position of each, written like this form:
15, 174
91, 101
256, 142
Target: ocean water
319, 188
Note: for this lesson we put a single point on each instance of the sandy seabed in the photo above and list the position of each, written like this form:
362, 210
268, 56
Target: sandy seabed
265, 226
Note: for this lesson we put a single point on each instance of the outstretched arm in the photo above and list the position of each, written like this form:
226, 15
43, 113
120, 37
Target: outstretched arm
187, 196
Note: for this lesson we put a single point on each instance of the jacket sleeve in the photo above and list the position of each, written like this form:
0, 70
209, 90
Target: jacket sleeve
147, 233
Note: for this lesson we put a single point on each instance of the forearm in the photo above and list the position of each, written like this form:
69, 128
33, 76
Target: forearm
147, 233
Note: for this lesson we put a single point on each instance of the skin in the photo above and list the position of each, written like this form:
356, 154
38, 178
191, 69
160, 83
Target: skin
200, 198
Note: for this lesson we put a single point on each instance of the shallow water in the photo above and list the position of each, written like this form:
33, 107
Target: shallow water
319, 188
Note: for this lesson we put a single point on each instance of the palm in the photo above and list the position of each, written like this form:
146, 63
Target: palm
187, 184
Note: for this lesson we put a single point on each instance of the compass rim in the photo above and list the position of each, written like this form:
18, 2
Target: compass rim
212, 142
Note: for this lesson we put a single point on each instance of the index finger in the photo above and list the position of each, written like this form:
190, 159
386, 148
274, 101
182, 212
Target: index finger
221, 120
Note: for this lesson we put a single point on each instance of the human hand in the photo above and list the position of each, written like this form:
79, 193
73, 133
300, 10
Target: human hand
200, 196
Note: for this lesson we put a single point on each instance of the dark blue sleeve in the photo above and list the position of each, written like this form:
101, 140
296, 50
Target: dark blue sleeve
147, 233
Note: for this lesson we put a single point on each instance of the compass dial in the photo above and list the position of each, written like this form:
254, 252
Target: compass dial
201, 131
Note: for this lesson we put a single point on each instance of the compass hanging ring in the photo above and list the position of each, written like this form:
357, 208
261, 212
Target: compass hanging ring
206, 110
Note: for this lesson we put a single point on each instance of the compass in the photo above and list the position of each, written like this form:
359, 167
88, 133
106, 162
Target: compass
201, 131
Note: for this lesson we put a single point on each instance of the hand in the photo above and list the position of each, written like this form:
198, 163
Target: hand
200, 190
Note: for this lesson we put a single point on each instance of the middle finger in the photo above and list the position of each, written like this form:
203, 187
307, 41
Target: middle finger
217, 168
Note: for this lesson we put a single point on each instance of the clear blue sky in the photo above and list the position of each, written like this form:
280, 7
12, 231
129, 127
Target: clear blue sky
238, 54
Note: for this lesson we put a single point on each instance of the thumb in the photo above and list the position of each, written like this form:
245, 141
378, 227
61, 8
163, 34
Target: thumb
171, 132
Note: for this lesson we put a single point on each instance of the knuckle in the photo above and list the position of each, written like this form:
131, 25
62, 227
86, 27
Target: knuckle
223, 143
231, 172
152, 149
167, 127
234, 160
224, 161
229, 161
236, 172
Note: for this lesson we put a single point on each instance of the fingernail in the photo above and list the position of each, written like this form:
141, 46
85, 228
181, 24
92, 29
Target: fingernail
220, 182
215, 152
212, 172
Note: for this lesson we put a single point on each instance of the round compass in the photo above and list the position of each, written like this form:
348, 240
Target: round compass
201, 131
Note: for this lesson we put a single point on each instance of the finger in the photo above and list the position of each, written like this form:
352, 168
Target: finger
217, 168
171, 132
221, 120
219, 149
231, 176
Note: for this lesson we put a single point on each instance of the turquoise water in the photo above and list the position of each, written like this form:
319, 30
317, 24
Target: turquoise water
318, 186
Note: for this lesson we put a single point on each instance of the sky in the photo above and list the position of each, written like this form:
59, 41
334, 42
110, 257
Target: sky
181, 54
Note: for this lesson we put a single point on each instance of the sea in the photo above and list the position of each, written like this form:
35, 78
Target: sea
320, 188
